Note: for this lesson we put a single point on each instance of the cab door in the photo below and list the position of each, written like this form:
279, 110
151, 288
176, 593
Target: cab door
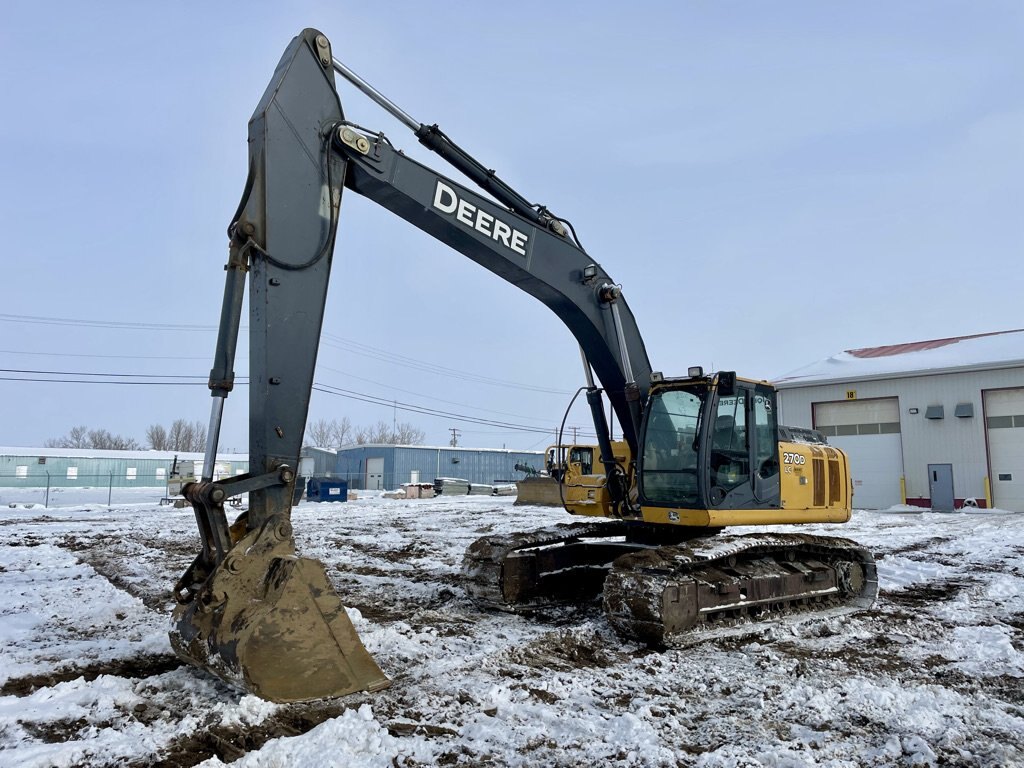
741, 449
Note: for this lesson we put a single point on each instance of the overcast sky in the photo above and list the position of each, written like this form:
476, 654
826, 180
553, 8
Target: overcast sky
771, 183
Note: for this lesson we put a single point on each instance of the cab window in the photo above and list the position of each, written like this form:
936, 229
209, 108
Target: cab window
766, 449
669, 457
585, 458
730, 447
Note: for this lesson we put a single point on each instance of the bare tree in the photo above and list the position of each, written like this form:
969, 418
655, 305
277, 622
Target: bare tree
342, 431
157, 438
382, 432
78, 437
100, 438
324, 433
177, 435
121, 443
378, 433
319, 434
406, 434
83, 437
198, 436
186, 436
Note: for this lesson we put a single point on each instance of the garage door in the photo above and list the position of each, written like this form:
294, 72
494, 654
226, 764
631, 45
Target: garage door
1004, 420
375, 474
868, 431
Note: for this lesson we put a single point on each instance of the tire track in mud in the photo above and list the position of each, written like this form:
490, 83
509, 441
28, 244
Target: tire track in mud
108, 553
900, 620
139, 667
229, 743
924, 594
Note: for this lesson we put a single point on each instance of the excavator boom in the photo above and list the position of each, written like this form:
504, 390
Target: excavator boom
249, 609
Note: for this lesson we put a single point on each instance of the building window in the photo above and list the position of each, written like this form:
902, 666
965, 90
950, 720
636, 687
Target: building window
131, 473
21, 470
72, 473
42, 460
1005, 422
161, 473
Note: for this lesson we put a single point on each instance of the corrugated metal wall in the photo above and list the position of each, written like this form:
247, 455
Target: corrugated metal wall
324, 460
950, 440
131, 469
402, 462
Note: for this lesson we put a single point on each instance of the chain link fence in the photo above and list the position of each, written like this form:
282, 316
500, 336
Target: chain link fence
58, 490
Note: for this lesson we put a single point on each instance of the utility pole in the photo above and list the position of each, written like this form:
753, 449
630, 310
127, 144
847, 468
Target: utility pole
455, 437
574, 429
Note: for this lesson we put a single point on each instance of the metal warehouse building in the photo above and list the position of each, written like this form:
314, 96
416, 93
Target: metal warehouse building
323, 461
929, 423
380, 467
87, 467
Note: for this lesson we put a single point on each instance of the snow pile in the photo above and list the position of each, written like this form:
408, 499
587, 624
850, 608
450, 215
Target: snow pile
355, 740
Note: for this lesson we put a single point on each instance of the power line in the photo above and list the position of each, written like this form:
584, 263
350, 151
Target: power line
411, 408
109, 357
417, 394
85, 381
119, 324
121, 375
348, 345
151, 380
327, 339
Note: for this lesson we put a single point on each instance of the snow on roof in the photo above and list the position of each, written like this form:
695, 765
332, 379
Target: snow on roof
97, 453
1001, 349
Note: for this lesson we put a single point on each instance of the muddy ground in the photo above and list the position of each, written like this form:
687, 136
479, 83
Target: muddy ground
931, 675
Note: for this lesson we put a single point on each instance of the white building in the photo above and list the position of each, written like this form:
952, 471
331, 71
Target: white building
929, 423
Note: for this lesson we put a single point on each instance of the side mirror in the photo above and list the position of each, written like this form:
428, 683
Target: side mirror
726, 383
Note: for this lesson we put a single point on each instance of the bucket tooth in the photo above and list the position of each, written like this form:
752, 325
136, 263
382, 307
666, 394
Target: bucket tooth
271, 623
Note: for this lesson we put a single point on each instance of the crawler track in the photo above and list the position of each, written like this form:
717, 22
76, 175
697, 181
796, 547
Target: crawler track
662, 595
522, 572
665, 593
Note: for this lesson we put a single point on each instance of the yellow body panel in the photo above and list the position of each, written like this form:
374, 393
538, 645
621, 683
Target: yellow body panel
721, 518
815, 487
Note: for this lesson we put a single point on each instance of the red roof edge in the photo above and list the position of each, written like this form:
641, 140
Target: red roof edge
917, 346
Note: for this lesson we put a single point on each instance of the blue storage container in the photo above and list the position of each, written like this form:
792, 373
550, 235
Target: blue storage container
326, 489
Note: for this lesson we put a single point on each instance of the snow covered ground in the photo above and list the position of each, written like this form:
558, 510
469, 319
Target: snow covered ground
932, 675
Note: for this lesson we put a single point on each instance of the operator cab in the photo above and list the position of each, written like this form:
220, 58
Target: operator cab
710, 442
561, 457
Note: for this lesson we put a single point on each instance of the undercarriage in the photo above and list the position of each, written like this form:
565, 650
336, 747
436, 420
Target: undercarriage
664, 586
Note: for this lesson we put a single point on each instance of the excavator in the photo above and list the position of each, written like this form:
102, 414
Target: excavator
696, 454
565, 466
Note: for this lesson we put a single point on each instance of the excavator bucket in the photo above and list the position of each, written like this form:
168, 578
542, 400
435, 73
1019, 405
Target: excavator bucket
270, 622
539, 491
